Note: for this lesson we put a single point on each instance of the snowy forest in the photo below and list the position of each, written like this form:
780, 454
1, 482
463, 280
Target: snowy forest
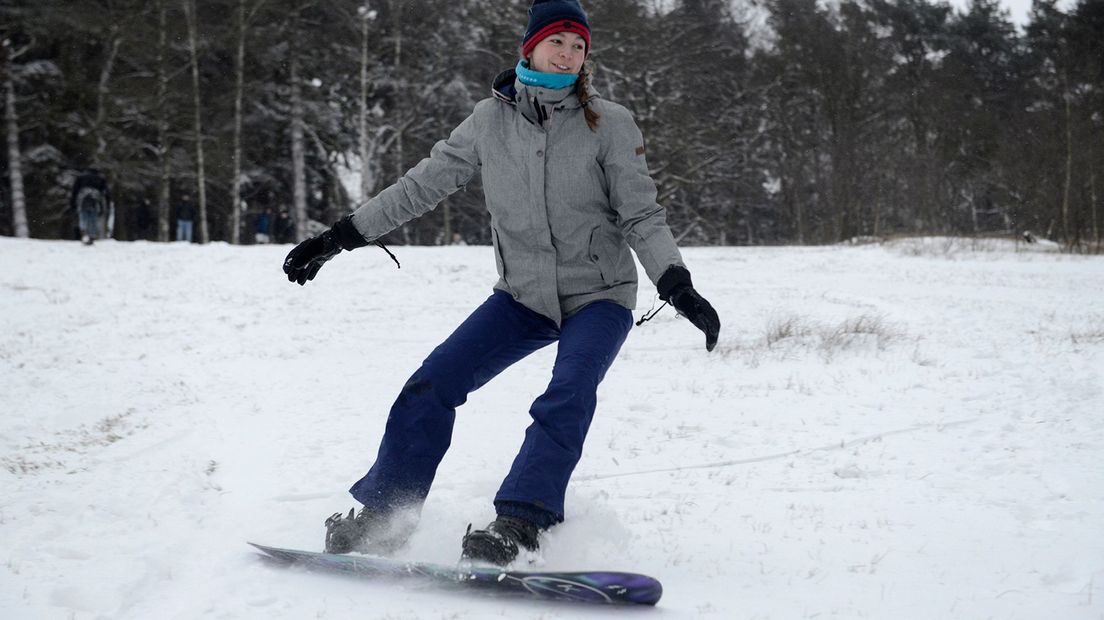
781, 121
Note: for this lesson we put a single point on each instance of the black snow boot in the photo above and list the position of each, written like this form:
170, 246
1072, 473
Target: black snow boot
368, 532
501, 542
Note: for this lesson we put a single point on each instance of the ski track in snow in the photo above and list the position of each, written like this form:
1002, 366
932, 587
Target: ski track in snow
911, 430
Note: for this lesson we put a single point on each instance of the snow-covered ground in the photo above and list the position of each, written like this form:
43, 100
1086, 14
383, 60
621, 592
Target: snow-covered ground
911, 430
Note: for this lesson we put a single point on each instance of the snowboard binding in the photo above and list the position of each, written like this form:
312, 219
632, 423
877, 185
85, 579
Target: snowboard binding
501, 542
368, 531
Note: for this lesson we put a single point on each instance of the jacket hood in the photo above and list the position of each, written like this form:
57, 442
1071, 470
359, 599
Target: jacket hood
502, 88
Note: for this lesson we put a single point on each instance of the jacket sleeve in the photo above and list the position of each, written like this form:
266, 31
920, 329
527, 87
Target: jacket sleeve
632, 194
451, 164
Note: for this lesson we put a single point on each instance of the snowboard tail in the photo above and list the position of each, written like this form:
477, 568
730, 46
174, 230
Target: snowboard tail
604, 587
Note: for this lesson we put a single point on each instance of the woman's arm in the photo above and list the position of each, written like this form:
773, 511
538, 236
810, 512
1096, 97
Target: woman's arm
632, 194
450, 165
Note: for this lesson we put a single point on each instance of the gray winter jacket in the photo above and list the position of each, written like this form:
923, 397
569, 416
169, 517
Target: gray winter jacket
566, 203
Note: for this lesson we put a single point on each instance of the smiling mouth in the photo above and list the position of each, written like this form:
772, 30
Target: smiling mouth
561, 67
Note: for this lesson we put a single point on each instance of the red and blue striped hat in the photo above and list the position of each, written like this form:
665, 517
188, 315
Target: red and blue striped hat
547, 17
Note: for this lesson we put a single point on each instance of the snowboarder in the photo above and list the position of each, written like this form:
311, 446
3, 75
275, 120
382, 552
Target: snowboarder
568, 191
91, 199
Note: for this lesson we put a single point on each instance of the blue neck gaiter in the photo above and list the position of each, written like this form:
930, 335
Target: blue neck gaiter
544, 80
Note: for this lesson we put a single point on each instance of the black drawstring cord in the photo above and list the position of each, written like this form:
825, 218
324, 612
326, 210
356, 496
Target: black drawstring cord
384, 248
648, 316
377, 242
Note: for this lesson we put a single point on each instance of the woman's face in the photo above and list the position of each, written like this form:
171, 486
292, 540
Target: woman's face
562, 52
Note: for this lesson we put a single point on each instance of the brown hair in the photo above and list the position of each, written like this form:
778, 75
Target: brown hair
582, 90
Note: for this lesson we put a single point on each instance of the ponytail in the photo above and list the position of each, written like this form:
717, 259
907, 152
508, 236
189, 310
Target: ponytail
582, 90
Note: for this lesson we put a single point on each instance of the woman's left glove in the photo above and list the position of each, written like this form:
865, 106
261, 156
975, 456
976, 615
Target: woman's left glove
675, 287
304, 260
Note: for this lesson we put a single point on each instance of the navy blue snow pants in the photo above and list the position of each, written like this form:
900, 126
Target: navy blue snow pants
497, 334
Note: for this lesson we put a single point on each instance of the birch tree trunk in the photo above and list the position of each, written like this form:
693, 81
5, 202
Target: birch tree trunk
298, 157
338, 203
236, 156
1093, 204
396, 10
102, 90
162, 123
365, 177
1067, 182
15, 155
201, 178
1095, 210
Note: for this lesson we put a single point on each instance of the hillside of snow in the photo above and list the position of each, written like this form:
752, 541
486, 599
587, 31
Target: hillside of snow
908, 430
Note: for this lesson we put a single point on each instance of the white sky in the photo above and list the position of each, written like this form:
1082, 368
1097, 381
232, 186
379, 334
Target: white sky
1019, 9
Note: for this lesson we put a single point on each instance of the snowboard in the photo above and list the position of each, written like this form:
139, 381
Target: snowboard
604, 587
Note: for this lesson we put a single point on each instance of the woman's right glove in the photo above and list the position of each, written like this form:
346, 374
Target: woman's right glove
304, 260
675, 287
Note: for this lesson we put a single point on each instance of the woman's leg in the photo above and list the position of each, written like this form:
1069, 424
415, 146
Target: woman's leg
535, 487
419, 428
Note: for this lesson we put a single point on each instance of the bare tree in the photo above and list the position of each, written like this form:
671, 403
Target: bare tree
1067, 180
1093, 203
103, 88
244, 19
298, 152
236, 155
366, 180
162, 123
15, 155
400, 155
201, 177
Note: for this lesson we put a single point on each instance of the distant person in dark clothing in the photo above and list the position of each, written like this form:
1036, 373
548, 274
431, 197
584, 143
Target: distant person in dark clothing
91, 199
185, 219
143, 219
263, 226
284, 230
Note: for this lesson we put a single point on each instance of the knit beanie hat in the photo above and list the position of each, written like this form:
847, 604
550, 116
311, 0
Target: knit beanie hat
547, 17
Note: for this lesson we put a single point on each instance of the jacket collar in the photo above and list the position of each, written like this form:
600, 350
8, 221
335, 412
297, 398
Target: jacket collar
535, 104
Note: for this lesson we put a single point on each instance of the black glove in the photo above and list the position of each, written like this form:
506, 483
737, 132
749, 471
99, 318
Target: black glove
675, 287
304, 260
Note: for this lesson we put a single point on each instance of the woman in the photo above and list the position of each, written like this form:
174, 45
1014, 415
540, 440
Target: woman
569, 194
